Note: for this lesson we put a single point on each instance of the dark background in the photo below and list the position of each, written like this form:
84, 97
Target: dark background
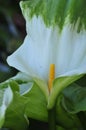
12, 33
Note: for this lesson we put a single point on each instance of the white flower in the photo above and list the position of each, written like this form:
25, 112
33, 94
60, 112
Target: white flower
46, 45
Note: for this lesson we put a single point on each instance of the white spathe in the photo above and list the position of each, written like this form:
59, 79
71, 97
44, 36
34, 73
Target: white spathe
46, 45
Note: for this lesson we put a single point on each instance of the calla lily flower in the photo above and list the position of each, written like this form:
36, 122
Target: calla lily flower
45, 45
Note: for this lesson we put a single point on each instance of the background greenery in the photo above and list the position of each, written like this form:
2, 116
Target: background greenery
12, 33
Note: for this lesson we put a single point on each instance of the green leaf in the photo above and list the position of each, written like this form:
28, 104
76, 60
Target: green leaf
29, 100
64, 118
15, 117
36, 104
6, 97
56, 12
15, 112
58, 85
74, 99
43, 86
36, 108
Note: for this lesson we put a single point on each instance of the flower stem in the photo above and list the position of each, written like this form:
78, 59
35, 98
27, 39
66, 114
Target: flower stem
51, 112
52, 119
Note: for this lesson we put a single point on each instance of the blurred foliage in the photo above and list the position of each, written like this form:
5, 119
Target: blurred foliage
12, 33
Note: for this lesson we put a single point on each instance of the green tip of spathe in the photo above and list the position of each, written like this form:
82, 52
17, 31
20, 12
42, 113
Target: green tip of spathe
55, 12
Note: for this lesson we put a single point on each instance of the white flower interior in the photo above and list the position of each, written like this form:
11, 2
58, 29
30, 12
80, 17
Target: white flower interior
44, 46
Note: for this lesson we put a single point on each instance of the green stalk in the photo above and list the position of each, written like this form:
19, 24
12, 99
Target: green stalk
52, 119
